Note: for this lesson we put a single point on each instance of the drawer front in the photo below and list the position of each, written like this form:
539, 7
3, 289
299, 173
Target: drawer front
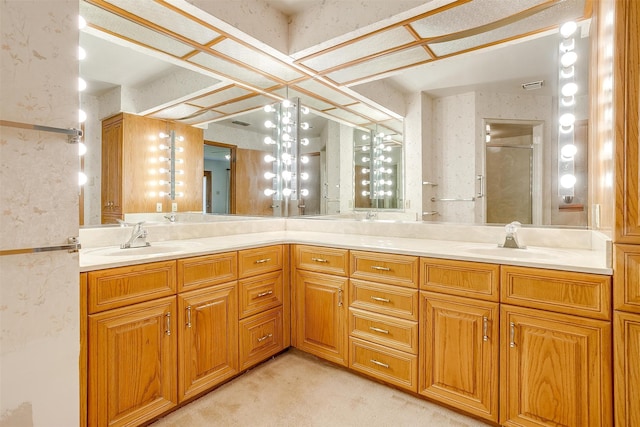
627, 284
203, 271
399, 270
260, 337
322, 259
392, 366
260, 293
252, 262
579, 294
396, 333
118, 287
462, 278
384, 299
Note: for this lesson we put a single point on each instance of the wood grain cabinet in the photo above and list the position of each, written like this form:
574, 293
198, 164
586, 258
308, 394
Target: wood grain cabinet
459, 335
555, 368
627, 368
383, 317
320, 302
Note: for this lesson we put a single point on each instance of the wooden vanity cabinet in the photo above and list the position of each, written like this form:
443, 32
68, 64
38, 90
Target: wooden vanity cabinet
320, 287
111, 181
459, 335
555, 368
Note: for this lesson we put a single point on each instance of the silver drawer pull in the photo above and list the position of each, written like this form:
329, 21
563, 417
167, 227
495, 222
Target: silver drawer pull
265, 337
375, 362
319, 259
382, 331
375, 267
380, 299
264, 294
262, 261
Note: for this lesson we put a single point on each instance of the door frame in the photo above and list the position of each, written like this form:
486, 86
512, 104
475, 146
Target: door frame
232, 172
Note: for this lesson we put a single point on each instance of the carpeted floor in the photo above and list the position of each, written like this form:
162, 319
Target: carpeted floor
296, 389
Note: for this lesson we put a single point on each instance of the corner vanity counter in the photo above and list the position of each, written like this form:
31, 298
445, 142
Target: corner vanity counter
485, 330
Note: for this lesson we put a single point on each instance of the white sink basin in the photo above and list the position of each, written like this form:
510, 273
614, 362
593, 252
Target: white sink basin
160, 248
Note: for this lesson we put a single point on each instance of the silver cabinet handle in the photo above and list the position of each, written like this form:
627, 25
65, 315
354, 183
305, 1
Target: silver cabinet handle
264, 294
168, 323
264, 337
485, 328
319, 259
512, 334
340, 297
262, 261
380, 299
188, 316
375, 362
375, 267
382, 331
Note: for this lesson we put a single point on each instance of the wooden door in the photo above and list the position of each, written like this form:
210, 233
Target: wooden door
555, 369
208, 345
321, 315
111, 180
132, 363
627, 368
459, 344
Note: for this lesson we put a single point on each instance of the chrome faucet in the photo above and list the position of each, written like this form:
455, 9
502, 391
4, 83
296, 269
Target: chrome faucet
511, 238
171, 217
372, 215
137, 239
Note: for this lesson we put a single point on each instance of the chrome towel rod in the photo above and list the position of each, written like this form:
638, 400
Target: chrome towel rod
72, 134
471, 199
72, 246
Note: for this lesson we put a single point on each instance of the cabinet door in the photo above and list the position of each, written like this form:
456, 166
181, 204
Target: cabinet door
459, 344
626, 352
321, 315
555, 369
208, 345
132, 363
112, 139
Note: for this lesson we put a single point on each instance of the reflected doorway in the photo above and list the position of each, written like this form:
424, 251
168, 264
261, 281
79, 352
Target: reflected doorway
218, 181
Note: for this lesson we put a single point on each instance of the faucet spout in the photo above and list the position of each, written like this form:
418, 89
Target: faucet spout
511, 237
137, 239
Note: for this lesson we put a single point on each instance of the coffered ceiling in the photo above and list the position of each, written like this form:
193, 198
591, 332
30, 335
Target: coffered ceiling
199, 69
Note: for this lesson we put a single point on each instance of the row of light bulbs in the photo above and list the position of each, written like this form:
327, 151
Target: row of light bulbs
378, 173
168, 160
82, 116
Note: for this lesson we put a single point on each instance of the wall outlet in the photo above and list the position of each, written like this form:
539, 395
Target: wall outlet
174, 207
159, 207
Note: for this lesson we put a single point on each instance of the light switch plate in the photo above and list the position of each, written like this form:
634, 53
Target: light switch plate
174, 207
159, 207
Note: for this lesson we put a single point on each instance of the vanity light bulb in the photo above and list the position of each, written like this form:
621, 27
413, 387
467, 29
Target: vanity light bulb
269, 175
389, 148
163, 135
304, 141
365, 171
179, 172
163, 159
365, 137
163, 147
269, 158
567, 120
365, 182
365, 159
82, 116
180, 149
82, 178
304, 159
269, 124
286, 120
569, 89
82, 84
389, 193
180, 194
568, 28
388, 170
82, 54
286, 175
82, 149
388, 160
163, 182
568, 151
568, 181
162, 194
568, 59
269, 141
269, 192
365, 193
304, 192
179, 183
268, 109
304, 110
181, 139
163, 170
286, 103
389, 182
285, 137
304, 176
365, 148
286, 192
304, 125
286, 158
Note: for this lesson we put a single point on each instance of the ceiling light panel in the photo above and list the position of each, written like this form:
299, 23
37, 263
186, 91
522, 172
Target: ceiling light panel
555, 15
232, 71
175, 112
369, 112
257, 60
325, 92
258, 101
380, 65
220, 97
126, 29
167, 18
373, 44
469, 15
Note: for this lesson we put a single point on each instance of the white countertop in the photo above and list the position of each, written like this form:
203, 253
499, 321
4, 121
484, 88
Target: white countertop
578, 260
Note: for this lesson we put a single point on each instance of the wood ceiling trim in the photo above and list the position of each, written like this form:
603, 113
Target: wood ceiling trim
416, 36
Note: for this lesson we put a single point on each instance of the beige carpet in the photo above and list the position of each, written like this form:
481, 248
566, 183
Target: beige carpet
296, 389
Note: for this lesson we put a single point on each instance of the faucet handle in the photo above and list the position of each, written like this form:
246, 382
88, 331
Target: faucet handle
512, 227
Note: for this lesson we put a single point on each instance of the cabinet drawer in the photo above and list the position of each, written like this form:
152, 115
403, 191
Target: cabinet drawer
260, 337
117, 287
384, 299
259, 260
392, 366
204, 271
260, 293
462, 278
321, 259
627, 284
580, 294
399, 270
389, 331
